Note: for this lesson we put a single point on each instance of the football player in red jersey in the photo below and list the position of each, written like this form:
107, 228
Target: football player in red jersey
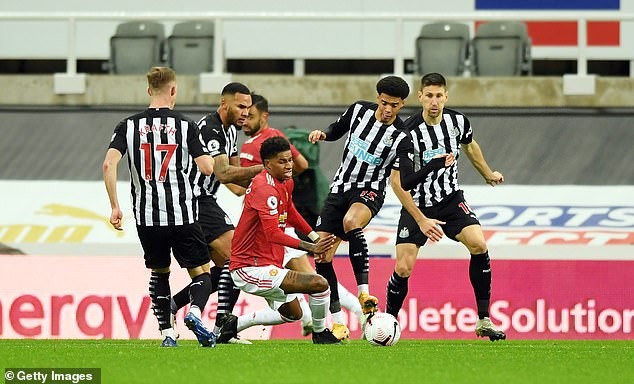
257, 128
257, 250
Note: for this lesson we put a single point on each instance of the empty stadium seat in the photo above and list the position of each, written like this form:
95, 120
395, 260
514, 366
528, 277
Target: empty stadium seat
136, 46
190, 47
443, 47
502, 48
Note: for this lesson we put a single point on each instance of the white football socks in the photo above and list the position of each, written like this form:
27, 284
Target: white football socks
319, 303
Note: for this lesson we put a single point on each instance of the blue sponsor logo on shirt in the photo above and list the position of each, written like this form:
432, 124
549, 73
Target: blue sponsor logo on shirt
359, 149
431, 153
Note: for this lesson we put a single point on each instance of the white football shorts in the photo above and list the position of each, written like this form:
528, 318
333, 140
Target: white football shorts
264, 282
291, 253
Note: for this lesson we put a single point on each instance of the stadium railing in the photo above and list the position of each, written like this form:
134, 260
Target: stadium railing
580, 52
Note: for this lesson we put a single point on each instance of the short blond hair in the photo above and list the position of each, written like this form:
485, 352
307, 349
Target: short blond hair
159, 77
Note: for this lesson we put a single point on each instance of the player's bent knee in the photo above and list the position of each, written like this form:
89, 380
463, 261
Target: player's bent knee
478, 248
319, 284
328, 256
403, 270
197, 271
349, 224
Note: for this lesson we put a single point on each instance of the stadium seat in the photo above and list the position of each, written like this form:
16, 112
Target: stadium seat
136, 46
502, 48
443, 47
190, 48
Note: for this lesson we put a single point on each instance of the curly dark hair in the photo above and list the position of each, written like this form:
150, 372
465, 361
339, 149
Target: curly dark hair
393, 86
272, 146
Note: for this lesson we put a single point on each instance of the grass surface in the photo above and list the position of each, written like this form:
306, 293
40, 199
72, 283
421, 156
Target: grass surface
299, 361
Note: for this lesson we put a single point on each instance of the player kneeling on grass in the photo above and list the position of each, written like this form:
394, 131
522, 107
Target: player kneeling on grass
257, 251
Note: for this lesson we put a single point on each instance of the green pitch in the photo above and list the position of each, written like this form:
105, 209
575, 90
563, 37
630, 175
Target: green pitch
298, 361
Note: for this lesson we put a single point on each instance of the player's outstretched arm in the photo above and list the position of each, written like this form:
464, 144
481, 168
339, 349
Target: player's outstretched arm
227, 173
321, 246
475, 155
335, 131
236, 189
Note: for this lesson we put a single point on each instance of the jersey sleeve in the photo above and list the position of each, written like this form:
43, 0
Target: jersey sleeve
404, 148
265, 199
195, 141
118, 140
467, 132
340, 127
213, 137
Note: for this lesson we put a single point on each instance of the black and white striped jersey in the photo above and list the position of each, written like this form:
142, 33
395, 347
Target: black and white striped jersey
161, 145
369, 152
219, 140
429, 141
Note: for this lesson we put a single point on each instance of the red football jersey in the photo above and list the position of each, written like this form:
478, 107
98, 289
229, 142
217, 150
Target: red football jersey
259, 237
250, 151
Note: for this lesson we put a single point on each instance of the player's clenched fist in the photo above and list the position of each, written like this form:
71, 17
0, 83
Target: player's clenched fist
495, 179
116, 219
316, 136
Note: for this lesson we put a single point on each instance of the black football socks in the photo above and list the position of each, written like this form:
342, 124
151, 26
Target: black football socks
199, 290
160, 296
396, 292
480, 276
358, 250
